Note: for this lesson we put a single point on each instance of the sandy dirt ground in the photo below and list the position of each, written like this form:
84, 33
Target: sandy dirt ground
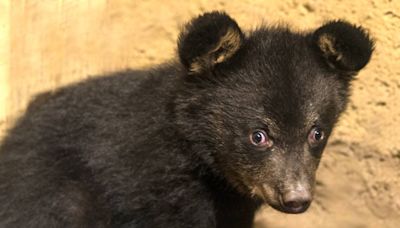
49, 43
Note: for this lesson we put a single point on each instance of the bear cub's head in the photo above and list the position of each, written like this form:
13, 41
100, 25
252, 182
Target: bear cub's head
258, 107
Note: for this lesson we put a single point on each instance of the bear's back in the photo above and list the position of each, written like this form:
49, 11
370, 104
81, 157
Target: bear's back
96, 132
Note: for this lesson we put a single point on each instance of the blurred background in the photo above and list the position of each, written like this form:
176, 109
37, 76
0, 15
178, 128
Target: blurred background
50, 43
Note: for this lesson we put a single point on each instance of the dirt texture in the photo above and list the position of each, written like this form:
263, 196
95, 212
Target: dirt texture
49, 43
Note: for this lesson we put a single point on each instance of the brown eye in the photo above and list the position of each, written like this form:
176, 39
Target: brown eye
260, 138
316, 135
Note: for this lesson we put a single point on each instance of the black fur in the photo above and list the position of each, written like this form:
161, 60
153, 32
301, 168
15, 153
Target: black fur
352, 42
170, 147
199, 40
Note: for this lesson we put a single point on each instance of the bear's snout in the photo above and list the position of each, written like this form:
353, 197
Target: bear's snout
296, 201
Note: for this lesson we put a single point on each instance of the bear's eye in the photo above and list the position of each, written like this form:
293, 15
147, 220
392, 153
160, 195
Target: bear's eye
316, 135
260, 138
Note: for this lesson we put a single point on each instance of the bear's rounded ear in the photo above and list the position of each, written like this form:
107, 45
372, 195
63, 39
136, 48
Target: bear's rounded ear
345, 47
207, 40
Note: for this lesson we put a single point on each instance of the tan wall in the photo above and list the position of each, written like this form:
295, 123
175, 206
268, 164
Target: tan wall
4, 59
49, 43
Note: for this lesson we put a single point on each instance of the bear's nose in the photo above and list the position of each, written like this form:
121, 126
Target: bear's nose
296, 201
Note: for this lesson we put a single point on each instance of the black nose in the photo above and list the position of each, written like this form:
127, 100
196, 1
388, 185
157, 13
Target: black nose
296, 201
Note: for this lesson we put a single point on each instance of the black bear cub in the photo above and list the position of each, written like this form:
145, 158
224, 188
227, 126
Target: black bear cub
239, 121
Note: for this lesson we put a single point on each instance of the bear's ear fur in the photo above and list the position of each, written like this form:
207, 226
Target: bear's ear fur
207, 40
345, 47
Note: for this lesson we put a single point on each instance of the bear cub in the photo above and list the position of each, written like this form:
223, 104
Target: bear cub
237, 121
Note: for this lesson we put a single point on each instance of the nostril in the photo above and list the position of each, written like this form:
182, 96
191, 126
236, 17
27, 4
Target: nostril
296, 202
